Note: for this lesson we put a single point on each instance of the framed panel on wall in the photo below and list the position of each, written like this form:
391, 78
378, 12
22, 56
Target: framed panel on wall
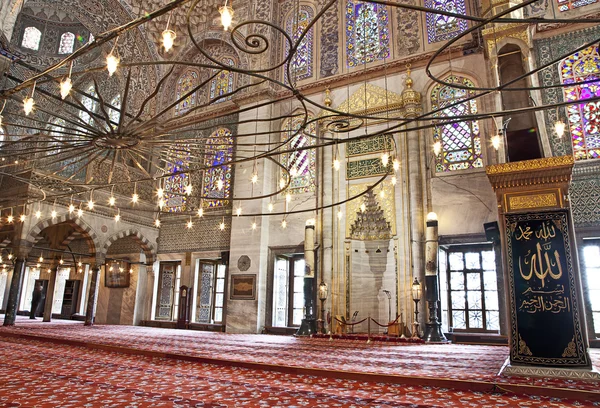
116, 274
243, 287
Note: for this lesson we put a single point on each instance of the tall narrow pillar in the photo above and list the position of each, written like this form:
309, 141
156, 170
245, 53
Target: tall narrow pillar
50, 293
93, 296
547, 334
16, 285
309, 323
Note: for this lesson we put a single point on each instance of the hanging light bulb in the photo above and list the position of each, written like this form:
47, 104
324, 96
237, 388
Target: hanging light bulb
220, 184
1, 260
38, 265
281, 183
382, 194
363, 207
61, 262
10, 219
53, 214
79, 212
135, 198
559, 128
293, 171
22, 217
496, 139
226, 16
340, 214
38, 214
394, 180
222, 224
157, 223
118, 216
112, 201
79, 264
396, 164
41, 259
10, 256
283, 224
168, 38
253, 225
288, 197
65, 87
161, 203
160, 192
190, 224
270, 206
254, 178
90, 204
385, 159
336, 164
437, 147
28, 104
188, 189
200, 212
238, 211
112, 62
71, 208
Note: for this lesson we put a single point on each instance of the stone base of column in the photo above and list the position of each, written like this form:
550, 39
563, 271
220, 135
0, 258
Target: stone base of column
308, 327
433, 333
557, 372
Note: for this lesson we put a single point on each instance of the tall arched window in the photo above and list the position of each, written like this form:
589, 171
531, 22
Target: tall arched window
178, 160
115, 115
301, 164
31, 38
222, 83
217, 180
90, 105
301, 64
367, 33
443, 28
185, 84
67, 42
584, 118
461, 142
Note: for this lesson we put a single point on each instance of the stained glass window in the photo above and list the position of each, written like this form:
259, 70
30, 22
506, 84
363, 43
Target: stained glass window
31, 38
186, 82
222, 83
217, 179
115, 115
461, 141
174, 188
90, 105
443, 28
67, 42
367, 32
566, 5
300, 163
301, 64
584, 118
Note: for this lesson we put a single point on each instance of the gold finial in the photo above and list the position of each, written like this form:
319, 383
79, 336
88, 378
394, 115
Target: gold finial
328, 100
408, 81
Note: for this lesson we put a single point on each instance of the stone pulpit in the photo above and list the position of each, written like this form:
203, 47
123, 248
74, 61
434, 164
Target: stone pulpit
547, 333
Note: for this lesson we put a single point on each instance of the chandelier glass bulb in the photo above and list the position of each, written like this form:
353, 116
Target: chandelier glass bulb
79, 264
394, 180
28, 103
71, 208
363, 207
288, 197
220, 184
157, 223
190, 224
238, 211
496, 141
270, 206
160, 192
41, 259
382, 194
281, 183
38, 214
79, 212
168, 39
10, 219
559, 128
22, 217
189, 188
253, 225
437, 147
283, 224
61, 262
112, 62
254, 178
396, 164
10, 256
222, 225
65, 87
117, 217
38, 265
293, 172
161, 203
340, 214
90, 205
336, 164
385, 159
111, 201
226, 16
135, 198
53, 214
200, 212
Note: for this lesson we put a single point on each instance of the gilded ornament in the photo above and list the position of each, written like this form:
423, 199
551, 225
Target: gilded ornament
523, 348
527, 165
570, 350
521, 202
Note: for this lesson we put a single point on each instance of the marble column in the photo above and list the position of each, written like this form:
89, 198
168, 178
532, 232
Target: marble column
327, 223
50, 293
93, 296
16, 286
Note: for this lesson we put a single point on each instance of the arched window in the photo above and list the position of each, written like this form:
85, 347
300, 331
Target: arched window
301, 164
31, 38
90, 105
367, 33
584, 118
115, 115
67, 42
301, 64
217, 180
178, 160
222, 83
461, 142
566, 5
185, 84
443, 28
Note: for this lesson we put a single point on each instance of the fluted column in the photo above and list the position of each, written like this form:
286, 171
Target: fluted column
93, 296
16, 285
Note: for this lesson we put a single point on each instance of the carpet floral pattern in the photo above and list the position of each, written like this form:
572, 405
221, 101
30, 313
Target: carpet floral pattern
42, 374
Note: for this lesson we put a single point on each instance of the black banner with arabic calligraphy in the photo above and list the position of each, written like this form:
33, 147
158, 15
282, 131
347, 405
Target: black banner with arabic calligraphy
545, 317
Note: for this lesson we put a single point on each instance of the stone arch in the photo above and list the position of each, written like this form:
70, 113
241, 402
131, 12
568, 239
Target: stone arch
144, 242
88, 234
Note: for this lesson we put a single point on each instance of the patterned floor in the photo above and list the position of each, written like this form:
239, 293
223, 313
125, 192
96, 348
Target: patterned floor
41, 374
375, 364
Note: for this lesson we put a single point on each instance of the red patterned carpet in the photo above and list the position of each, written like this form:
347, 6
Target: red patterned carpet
359, 374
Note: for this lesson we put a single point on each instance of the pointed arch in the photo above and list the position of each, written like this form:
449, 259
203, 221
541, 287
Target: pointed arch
301, 164
145, 243
367, 33
461, 141
186, 82
583, 118
217, 179
32, 38
67, 43
301, 65
87, 232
